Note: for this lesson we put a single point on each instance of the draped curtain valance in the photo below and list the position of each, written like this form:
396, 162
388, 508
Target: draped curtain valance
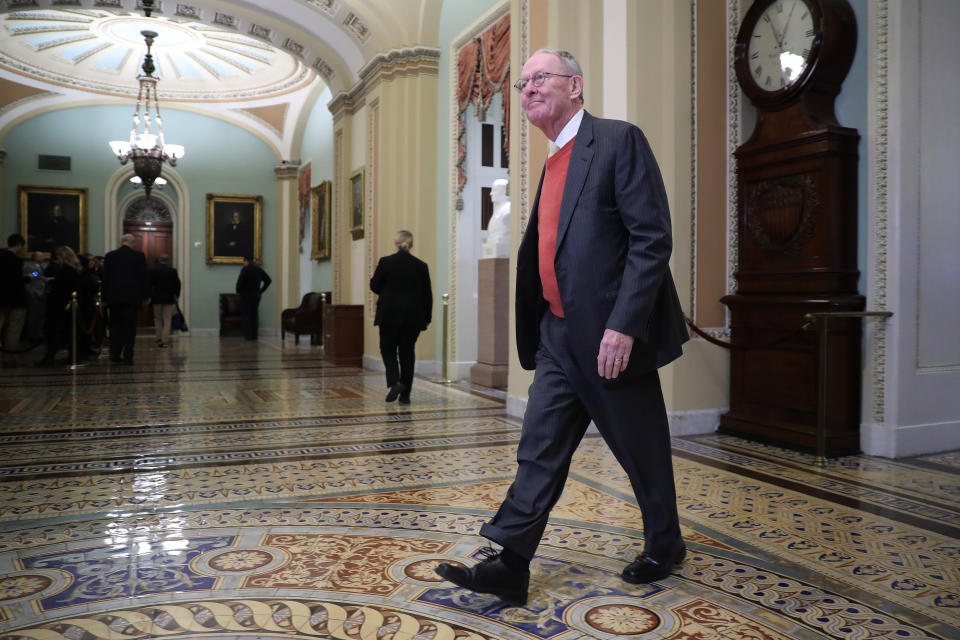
483, 70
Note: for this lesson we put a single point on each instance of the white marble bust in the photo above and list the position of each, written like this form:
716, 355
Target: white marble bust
497, 244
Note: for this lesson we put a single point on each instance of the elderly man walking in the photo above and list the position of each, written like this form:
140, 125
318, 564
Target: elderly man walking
125, 289
597, 313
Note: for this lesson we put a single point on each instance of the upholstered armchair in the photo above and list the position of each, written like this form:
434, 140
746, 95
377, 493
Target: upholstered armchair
231, 315
307, 319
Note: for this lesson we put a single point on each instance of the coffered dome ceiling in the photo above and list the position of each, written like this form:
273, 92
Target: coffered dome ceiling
258, 63
101, 51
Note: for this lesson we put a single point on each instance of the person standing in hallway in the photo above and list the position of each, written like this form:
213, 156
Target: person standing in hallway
164, 293
36, 297
13, 296
404, 309
251, 283
126, 288
59, 327
596, 314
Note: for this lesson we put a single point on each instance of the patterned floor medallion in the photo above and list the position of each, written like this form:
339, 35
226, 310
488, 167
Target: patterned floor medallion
225, 489
18, 587
622, 619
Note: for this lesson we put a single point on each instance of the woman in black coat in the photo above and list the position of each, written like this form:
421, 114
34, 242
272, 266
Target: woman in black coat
60, 292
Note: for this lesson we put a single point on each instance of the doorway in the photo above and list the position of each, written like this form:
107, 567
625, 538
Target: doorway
150, 221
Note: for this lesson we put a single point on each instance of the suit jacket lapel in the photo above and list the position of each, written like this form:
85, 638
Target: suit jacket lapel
580, 158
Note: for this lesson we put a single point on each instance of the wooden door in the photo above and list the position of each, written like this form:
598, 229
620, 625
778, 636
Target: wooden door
154, 239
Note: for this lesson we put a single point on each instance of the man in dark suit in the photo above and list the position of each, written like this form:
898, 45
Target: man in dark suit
236, 238
57, 230
126, 288
597, 313
13, 296
251, 283
404, 309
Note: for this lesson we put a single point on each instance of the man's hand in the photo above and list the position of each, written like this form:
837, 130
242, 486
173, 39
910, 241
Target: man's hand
614, 354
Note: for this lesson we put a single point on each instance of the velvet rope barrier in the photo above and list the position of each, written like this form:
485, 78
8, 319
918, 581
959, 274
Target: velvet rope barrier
730, 345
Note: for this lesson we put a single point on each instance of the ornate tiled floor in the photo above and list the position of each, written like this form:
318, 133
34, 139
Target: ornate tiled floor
224, 489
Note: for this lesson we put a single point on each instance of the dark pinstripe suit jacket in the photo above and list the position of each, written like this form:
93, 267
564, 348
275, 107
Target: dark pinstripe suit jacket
613, 247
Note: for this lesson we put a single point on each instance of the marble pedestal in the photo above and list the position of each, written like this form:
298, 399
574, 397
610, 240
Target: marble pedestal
493, 298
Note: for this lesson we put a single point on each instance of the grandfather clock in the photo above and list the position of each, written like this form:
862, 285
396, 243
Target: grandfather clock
797, 229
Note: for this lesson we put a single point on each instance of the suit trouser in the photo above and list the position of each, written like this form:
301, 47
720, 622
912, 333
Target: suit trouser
397, 343
13, 327
250, 318
123, 330
562, 400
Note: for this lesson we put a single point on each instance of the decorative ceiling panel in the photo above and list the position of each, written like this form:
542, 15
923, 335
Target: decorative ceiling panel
102, 50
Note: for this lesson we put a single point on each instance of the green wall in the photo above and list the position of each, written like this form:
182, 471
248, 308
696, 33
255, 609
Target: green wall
245, 166
317, 149
851, 108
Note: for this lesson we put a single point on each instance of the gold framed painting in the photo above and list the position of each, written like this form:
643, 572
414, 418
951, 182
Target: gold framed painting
356, 204
234, 228
320, 220
53, 216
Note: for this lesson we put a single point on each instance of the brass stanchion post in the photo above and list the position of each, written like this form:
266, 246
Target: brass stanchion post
73, 329
443, 350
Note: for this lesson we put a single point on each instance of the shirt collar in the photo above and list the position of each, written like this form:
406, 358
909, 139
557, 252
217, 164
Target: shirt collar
569, 130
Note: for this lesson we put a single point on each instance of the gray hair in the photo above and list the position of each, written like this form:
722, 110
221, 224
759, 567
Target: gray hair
163, 258
404, 240
128, 239
569, 62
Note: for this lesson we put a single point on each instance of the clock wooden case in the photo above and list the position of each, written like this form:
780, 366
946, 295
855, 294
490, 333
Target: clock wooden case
797, 228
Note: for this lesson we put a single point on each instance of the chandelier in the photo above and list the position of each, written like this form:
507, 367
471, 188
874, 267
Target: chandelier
147, 149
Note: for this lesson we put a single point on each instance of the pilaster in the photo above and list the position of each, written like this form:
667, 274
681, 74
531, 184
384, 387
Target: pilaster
288, 235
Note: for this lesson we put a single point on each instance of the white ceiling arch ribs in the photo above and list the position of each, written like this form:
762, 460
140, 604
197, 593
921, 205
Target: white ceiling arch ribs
399, 24
231, 32
259, 65
280, 143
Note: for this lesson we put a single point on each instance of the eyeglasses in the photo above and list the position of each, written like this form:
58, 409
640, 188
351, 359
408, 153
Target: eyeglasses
538, 79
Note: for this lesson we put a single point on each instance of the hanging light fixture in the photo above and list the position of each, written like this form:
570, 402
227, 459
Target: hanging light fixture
147, 149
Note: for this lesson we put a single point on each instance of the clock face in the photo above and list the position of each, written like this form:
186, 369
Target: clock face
779, 48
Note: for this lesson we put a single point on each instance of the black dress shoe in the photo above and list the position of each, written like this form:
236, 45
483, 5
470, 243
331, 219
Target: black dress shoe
395, 391
646, 568
490, 575
404, 399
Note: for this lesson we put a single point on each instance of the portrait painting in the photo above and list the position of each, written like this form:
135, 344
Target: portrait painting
234, 228
356, 205
303, 199
320, 220
53, 216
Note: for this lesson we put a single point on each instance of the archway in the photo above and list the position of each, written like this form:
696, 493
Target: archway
174, 196
150, 221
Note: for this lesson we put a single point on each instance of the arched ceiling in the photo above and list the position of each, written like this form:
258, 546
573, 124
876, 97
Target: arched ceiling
257, 62
102, 52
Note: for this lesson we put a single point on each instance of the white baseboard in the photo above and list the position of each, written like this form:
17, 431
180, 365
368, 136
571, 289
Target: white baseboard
425, 368
682, 423
215, 332
516, 405
693, 423
909, 440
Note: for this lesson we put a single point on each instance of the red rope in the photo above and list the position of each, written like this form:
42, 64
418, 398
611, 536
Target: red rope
729, 345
